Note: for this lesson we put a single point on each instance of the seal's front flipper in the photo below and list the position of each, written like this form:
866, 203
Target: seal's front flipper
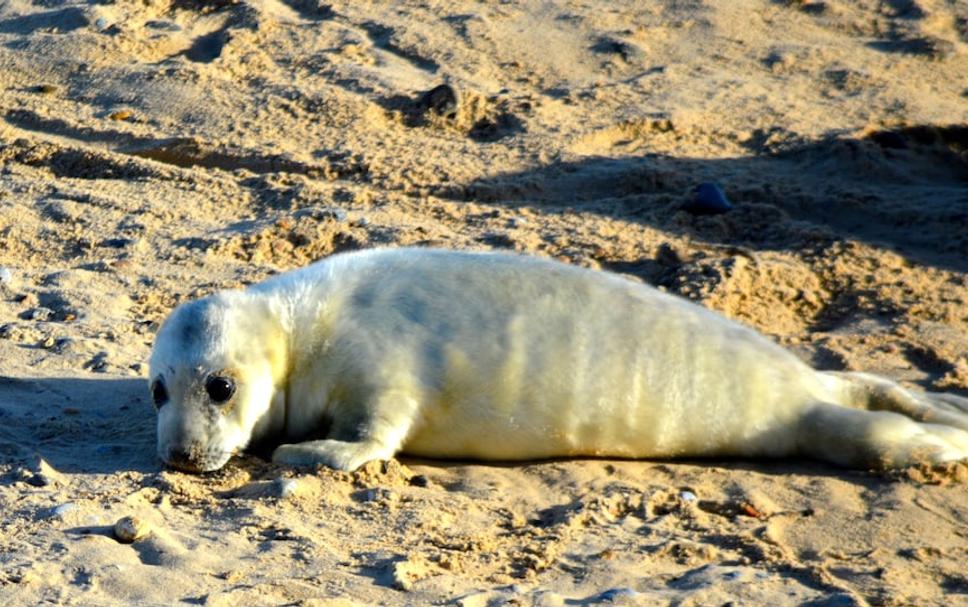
340, 455
362, 433
877, 439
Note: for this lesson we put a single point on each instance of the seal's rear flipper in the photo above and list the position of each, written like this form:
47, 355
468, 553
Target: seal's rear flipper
866, 391
877, 439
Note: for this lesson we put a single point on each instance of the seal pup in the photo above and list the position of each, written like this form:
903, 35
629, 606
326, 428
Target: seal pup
496, 356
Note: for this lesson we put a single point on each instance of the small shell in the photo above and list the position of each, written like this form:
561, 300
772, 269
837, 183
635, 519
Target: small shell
131, 529
64, 509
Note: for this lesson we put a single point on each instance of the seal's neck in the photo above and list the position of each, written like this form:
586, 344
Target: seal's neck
260, 326
273, 423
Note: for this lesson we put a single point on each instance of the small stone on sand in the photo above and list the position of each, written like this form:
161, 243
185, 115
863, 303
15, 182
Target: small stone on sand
287, 487
441, 100
131, 529
63, 510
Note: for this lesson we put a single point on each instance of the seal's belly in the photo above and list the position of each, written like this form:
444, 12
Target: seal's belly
658, 379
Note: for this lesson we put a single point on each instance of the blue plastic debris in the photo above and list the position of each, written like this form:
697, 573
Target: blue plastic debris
709, 199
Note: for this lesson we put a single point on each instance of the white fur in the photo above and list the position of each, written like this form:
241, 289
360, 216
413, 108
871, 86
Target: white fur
505, 357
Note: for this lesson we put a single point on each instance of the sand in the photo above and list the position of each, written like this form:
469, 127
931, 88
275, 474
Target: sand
152, 151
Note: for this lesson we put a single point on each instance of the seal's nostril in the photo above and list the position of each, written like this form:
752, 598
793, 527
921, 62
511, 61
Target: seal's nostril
177, 454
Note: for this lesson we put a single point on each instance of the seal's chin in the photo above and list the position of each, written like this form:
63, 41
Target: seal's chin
196, 466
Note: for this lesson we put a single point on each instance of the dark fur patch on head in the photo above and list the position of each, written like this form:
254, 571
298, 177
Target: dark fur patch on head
189, 332
194, 321
363, 297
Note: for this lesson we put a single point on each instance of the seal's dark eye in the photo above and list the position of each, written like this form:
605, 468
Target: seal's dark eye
219, 389
158, 393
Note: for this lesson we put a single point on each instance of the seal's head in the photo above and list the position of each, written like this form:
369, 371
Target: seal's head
214, 372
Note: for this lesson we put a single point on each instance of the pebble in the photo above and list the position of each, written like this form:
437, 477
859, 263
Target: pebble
286, 487
63, 344
320, 212
379, 494
64, 510
667, 255
25, 577
6, 277
131, 529
42, 474
419, 480
626, 50
116, 243
162, 25
36, 480
688, 496
441, 100
98, 363
40, 313
615, 593
709, 199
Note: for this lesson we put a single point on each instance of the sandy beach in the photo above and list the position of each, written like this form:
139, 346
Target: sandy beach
155, 151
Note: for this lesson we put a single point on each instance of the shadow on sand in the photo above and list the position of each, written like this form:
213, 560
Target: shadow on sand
107, 426
79, 425
902, 189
